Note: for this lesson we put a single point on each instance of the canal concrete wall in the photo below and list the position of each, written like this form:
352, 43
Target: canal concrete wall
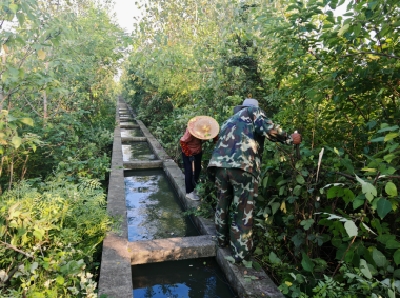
119, 255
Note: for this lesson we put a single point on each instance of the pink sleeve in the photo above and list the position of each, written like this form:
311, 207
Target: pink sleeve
187, 137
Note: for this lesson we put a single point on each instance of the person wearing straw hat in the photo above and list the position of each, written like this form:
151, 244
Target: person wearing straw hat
235, 164
199, 129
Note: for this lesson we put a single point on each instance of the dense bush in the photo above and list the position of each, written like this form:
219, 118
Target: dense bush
49, 234
57, 119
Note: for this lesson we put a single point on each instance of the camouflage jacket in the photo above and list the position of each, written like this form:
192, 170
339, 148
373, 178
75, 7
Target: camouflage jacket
241, 140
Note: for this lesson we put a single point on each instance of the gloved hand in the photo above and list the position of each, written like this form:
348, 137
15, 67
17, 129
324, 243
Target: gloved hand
297, 138
191, 158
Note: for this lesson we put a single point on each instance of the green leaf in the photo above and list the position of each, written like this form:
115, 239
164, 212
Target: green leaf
358, 201
27, 121
297, 190
60, 280
265, 181
379, 258
307, 223
247, 264
13, 71
389, 157
380, 139
307, 263
368, 189
392, 244
391, 189
13, 8
41, 54
343, 30
391, 294
5, 76
391, 136
385, 238
364, 269
275, 206
38, 235
274, 258
348, 164
336, 241
21, 73
357, 29
348, 195
396, 257
389, 128
391, 148
21, 18
258, 251
55, 42
368, 228
335, 191
390, 269
16, 141
351, 228
397, 273
230, 259
260, 198
300, 179
282, 190
383, 208
256, 266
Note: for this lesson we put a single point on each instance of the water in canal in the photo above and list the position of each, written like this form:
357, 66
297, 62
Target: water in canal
136, 151
153, 208
131, 132
195, 278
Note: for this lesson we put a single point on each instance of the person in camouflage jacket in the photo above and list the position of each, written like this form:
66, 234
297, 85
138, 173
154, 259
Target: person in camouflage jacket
236, 164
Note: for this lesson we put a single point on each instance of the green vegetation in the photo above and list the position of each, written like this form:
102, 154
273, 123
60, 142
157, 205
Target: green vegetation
326, 219
57, 102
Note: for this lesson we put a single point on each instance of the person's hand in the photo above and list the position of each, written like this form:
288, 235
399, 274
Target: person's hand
191, 158
297, 138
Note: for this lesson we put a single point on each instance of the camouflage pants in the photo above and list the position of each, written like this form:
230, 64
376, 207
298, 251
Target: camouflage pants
236, 188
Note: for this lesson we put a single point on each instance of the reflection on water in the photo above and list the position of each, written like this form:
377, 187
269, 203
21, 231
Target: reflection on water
133, 151
196, 278
154, 211
128, 123
132, 132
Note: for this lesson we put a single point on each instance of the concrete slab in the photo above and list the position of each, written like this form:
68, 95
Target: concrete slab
263, 286
116, 270
134, 139
171, 249
145, 164
128, 125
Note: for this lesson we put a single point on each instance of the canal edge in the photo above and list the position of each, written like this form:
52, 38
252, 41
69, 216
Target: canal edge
116, 272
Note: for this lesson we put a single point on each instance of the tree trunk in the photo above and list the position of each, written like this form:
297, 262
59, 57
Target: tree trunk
1, 98
45, 100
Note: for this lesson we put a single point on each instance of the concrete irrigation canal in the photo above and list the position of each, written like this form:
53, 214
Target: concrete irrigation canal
161, 252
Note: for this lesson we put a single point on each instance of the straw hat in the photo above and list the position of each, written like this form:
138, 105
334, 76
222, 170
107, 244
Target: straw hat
203, 127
